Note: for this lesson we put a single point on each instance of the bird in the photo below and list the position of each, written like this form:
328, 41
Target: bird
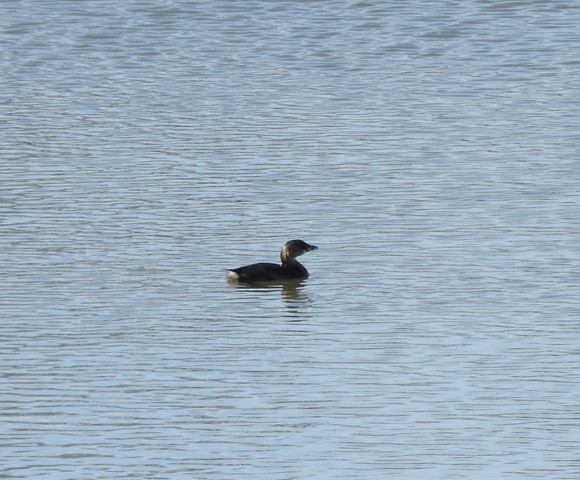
289, 269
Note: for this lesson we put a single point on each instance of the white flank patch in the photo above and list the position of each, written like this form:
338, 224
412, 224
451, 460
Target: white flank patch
232, 276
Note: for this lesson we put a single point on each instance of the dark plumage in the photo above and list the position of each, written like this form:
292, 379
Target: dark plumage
290, 268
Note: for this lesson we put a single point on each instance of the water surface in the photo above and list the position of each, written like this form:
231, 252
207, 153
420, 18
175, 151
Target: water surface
430, 151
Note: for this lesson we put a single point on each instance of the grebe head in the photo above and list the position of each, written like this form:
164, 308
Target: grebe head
293, 249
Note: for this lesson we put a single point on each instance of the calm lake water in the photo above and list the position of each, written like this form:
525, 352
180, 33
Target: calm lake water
429, 149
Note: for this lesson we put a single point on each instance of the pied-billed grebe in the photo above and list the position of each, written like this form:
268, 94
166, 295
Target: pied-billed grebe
290, 269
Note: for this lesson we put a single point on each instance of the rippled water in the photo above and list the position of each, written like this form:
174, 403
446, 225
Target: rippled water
430, 151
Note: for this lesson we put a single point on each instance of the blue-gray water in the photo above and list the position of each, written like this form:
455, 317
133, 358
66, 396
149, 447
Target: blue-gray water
430, 150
